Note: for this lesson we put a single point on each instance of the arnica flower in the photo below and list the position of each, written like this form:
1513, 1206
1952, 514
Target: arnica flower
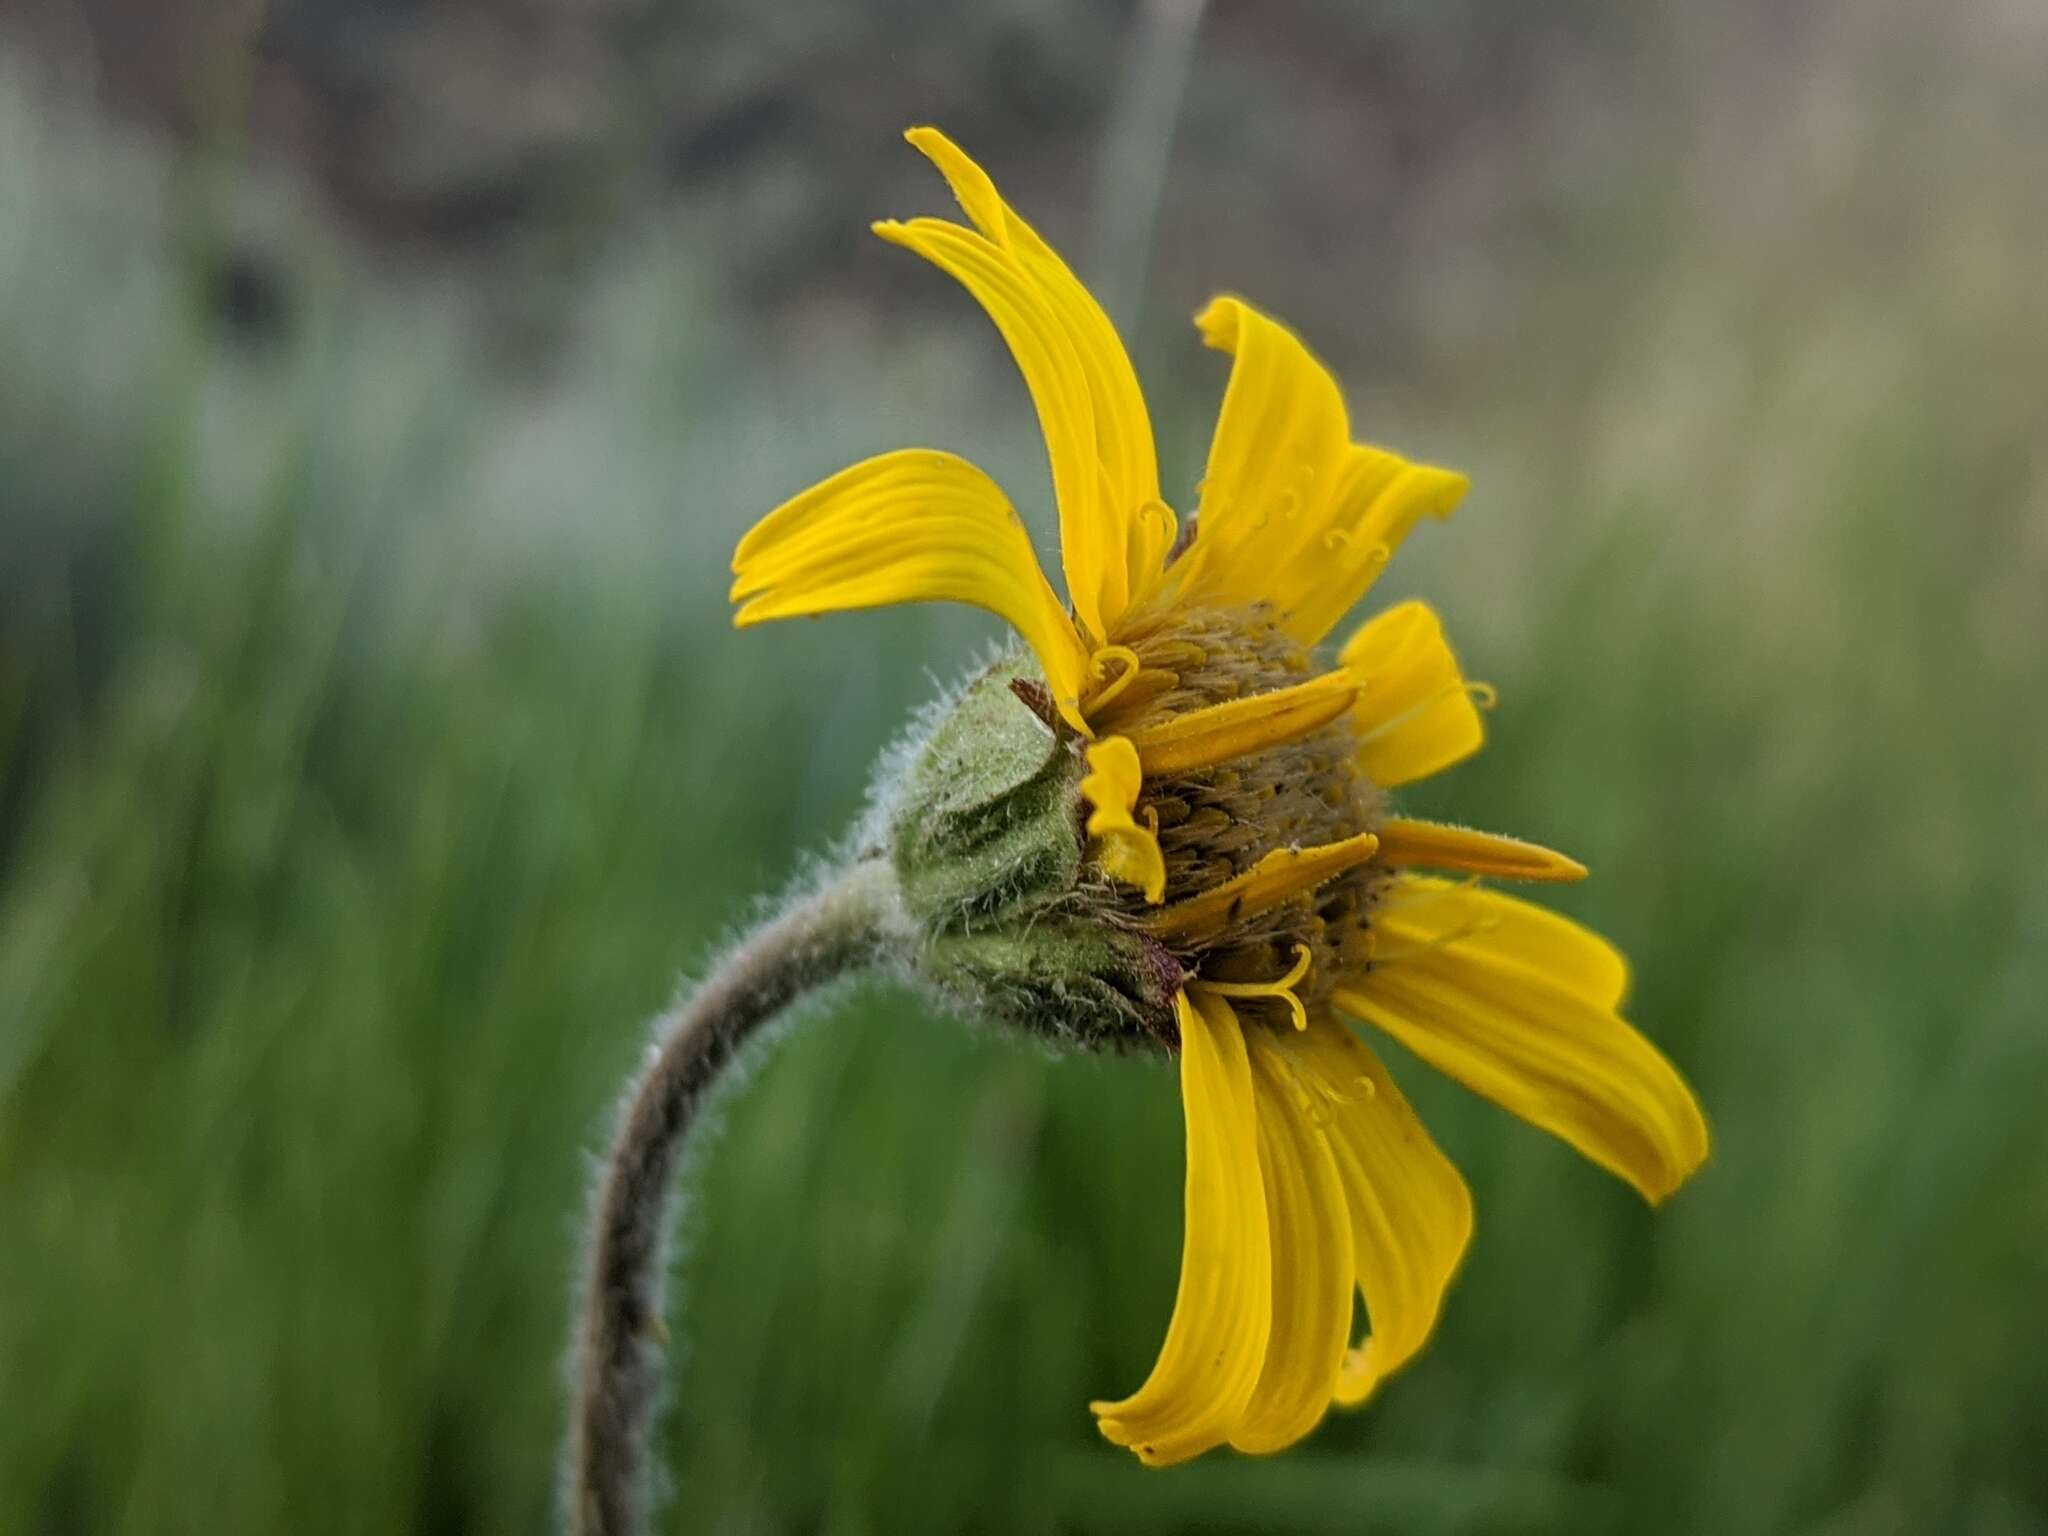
1162, 823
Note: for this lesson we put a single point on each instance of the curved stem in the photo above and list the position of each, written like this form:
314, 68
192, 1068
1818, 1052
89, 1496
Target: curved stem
617, 1369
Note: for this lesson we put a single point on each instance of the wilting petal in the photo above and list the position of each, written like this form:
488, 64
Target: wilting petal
912, 526
1312, 1257
1216, 1344
1540, 1044
1406, 844
1411, 1215
1201, 738
1415, 714
1114, 531
1122, 847
1293, 513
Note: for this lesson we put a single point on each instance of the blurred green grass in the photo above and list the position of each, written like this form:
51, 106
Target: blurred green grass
374, 751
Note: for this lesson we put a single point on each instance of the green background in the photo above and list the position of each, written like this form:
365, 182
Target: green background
375, 755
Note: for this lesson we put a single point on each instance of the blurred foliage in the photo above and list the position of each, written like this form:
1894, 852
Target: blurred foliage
373, 748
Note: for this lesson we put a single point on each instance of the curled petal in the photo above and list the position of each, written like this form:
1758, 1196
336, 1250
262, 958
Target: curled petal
1411, 1214
1312, 1256
1492, 928
911, 526
1122, 847
1215, 1346
1293, 513
1105, 471
1415, 714
1482, 1007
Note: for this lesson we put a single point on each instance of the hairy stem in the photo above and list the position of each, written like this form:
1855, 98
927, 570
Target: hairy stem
617, 1370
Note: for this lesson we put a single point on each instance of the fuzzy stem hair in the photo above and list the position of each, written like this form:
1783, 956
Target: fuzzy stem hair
617, 1369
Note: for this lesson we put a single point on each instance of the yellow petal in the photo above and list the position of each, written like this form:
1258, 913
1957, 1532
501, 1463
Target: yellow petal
1537, 1045
1280, 876
1411, 1215
1114, 531
1312, 1258
1280, 988
1201, 738
1415, 714
1421, 912
1406, 844
1279, 438
1380, 497
912, 526
1122, 847
1293, 513
1216, 1344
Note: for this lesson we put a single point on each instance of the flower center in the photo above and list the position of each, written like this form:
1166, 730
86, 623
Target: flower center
1216, 823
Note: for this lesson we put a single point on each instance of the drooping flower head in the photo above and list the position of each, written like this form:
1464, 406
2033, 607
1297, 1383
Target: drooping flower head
1162, 823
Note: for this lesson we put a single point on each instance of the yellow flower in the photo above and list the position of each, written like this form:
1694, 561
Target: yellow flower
1231, 885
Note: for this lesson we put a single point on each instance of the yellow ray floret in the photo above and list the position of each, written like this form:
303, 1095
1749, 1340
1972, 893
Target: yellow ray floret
1293, 513
1114, 530
911, 526
1479, 1006
1215, 1346
1312, 1258
1406, 844
1490, 927
1280, 876
1381, 497
1123, 848
1415, 715
1411, 1214
1201, 738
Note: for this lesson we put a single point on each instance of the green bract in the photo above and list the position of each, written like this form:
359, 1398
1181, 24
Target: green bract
987, 845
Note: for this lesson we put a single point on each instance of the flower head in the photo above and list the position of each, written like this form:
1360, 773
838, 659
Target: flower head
1161, 823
